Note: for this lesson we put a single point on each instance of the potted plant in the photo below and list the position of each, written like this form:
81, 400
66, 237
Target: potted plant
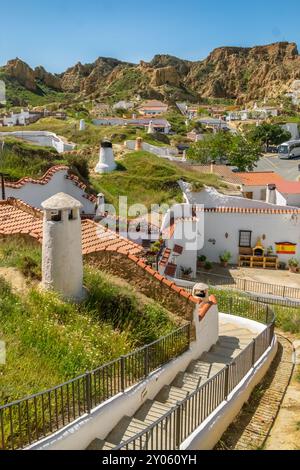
208, 266
225, 258
293, 265
201, 261
270, 251
186, 273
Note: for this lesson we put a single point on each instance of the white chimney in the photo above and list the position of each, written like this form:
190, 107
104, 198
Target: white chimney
271, 194
151, 127
107, 162
62, 265
82, 125
100, 203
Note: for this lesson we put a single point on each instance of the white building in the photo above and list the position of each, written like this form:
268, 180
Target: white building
226, 223
125, 105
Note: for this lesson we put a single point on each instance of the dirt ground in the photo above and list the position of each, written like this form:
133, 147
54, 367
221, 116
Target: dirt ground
285, 434
270, 276
15, 278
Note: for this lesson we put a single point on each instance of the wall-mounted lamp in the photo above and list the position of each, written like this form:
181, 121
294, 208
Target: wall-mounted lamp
212, 240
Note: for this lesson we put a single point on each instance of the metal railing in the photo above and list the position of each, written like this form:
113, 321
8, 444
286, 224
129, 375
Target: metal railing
172, 429
255, 287
31, 419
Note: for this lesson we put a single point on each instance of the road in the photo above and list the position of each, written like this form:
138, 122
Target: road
288, 169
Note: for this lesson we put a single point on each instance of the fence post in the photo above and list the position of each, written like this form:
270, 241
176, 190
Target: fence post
230, 305
178, 427
253, 352
88, 390
226, 381
267, 315
123, 373
146, 362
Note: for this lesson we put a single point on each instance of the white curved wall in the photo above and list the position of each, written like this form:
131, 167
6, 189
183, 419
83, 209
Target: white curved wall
43, 138
35, 194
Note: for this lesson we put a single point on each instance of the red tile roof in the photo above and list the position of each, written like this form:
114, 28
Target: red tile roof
289, 187
17, 217
260, 178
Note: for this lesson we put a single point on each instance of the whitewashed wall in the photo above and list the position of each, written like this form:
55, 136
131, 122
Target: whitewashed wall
164, 152
43, 138
277, 228
35, 194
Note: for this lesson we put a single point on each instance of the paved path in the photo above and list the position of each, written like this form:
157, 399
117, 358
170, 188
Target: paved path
288, 169
253, 426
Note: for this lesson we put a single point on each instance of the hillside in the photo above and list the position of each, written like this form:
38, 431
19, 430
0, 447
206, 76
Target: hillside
235, 73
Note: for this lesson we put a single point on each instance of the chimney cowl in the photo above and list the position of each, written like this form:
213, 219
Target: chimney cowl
272, 187
106, 144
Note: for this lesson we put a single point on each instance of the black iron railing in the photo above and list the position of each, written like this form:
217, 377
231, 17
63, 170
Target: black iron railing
29, 420
256, 287
172, 429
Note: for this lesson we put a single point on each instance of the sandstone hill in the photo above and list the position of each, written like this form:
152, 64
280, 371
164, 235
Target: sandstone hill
240, 74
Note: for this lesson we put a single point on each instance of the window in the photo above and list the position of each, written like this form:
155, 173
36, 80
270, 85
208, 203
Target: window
245, 239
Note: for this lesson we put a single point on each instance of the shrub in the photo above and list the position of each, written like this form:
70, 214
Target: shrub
225, 257
208, 265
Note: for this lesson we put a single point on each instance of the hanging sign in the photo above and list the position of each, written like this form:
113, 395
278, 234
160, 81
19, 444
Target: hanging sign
285, 248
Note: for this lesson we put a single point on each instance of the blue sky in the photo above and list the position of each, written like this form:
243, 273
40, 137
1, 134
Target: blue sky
59, 33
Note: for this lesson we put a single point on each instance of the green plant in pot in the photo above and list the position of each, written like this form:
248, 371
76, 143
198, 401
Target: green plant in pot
186, 272
225, 258
293, 265
208, 266
201, 260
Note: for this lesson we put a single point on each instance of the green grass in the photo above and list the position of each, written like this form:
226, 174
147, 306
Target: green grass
287, 318
147, 179
49, 340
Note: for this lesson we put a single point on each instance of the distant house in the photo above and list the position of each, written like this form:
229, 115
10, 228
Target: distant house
195, 136
254, 184
255, 113
160, 125
125, 105
23, 118
153, 108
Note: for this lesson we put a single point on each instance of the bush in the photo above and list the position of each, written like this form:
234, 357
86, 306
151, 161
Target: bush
208, 265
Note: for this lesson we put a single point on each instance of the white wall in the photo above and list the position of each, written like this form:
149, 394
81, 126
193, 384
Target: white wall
43, 138
35, 194
277, 228
164, 152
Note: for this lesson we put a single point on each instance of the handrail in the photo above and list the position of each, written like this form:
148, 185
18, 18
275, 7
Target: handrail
246, 361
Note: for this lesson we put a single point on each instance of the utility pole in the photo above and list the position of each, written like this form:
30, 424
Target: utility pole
2, 175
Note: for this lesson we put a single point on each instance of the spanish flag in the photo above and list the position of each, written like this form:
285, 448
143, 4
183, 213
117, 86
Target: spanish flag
286, 248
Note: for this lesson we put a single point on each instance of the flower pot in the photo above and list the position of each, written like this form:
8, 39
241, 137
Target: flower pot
224, 264
293, 269
200, 264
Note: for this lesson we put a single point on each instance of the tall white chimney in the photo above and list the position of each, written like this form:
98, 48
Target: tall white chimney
107, 162
62, 265
82, 125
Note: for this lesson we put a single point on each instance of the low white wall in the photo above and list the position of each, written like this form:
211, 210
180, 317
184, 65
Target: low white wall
163, 152
212, 430
103, 419
43, 138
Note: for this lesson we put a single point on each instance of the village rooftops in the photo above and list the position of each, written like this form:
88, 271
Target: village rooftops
288, 187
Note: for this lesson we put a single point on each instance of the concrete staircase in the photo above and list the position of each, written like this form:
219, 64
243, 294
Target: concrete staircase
232, 341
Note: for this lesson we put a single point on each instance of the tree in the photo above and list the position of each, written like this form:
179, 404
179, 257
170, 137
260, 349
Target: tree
269, 134
244, 153
213, 147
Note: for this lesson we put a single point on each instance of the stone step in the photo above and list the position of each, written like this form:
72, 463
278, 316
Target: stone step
151, 411
227, 353
97, 444
189, 382
204, 369
172, 395
126, 429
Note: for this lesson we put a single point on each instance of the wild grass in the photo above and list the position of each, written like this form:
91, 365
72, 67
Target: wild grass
147, 179
287, 317
49, 340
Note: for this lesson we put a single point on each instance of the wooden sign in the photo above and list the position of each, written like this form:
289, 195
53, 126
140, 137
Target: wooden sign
285, 248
